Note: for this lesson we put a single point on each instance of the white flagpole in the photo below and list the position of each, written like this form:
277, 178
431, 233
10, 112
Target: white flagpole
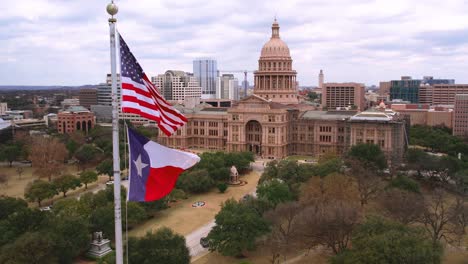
112, 9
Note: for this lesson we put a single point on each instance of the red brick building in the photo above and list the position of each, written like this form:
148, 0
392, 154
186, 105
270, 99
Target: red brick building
75, 118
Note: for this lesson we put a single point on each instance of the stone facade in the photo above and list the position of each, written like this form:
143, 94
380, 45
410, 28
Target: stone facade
273, 124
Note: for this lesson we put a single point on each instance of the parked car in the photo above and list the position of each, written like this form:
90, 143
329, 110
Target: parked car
46, 208
204, 242
109, 183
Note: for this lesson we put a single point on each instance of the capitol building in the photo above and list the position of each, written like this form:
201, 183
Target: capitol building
275, 122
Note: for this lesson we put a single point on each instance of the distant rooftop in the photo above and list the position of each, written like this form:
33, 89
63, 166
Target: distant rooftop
77, 109
328, 115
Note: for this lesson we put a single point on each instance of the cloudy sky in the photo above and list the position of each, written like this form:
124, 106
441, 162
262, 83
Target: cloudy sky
66, 42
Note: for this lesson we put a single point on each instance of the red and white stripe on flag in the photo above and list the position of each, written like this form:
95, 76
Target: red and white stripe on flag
146, 101
141, 97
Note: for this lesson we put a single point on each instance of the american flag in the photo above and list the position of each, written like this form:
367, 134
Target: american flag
140, 96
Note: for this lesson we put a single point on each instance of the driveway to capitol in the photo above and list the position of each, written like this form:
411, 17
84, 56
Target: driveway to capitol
193, 239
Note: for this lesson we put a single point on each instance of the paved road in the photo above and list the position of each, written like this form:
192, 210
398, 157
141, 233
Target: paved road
193, 239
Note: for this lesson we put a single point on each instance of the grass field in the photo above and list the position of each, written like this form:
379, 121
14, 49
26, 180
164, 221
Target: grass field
183, 218
15, 185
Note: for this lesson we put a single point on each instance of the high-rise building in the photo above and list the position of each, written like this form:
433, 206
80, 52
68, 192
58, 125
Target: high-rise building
337, 95
104, 91
88, 97
3, 108
445, 93
206, 71
460, 117
227, 87
177, 85
275, 78
320, 79
408, 89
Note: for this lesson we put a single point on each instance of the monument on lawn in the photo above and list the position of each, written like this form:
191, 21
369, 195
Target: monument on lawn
99, 246
234, 176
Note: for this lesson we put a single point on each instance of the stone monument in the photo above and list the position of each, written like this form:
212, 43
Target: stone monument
234, 176
99, 246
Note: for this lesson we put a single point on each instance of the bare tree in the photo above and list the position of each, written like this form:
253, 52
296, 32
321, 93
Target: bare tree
329, 224
284, 230
20, 171
4, 179
334, 187
368, 183
460, 219
440, 215
403, 206
47, 156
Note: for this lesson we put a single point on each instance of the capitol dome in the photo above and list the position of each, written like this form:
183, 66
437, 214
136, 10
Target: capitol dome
275, 47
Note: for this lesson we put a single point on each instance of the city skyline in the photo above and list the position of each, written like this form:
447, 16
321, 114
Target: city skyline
61, 43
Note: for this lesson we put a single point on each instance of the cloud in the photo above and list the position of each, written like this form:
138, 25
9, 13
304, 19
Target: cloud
66, 42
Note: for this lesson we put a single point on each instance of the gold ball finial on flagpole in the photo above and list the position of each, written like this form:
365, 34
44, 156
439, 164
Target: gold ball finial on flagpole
112, 10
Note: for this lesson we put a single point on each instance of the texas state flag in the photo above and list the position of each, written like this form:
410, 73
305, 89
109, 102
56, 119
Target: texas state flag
154, 169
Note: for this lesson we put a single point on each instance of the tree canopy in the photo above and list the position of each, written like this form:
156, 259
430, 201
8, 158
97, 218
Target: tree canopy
164, 246
237, 227
39, 190
370, 154
382, 241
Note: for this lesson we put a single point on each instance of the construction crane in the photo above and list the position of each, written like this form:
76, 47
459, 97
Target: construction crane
245, 77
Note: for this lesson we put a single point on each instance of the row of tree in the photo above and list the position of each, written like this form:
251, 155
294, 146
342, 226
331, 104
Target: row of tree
58, 236
438, 139
303, 206
39, 190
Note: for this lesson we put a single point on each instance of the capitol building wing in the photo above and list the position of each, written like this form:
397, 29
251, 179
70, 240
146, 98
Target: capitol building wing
274, 123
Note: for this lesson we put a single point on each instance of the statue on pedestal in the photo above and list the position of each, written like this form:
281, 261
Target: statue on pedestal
234, 176
99, 246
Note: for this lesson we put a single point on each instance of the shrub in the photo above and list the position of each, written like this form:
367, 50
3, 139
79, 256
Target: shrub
222, 187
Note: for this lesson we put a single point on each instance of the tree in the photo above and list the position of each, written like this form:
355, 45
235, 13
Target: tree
135, 213
102, 219
88, 177
369, 154
47, 156
368, 184
334, 187
3, 178
327, 164
20, 171
106, 168
195, 181
65, 183
329, 224
10, 152
222, 187
438, 216
39, 190
237, 227
164, 246
381, 241
72, 147
70, 235
275, 191
36, 247
285, 231
241, 160
403, 206
21, 221
404, 183
461, 181
85, 155
214, 164
9, 205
